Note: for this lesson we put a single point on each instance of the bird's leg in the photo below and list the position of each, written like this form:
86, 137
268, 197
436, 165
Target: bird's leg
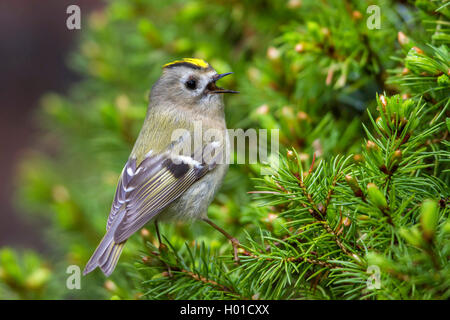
233, 240
161, 244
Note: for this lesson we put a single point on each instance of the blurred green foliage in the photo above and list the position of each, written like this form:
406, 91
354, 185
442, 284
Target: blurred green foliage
351, 185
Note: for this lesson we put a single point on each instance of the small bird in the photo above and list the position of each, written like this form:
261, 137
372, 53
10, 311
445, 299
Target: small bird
171, 176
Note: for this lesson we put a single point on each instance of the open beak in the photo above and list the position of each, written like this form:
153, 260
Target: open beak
212, 88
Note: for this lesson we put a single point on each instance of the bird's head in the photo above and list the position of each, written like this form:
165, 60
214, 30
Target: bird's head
189, 82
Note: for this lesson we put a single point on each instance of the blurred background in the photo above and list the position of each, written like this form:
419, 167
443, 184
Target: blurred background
34, 44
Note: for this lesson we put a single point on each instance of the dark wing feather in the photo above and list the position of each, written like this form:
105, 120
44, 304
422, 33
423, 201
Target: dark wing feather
144, 191
124, 185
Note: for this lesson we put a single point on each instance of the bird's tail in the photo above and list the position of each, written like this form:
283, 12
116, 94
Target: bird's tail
105, 256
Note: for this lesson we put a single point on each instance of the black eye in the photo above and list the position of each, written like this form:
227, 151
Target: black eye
191, 84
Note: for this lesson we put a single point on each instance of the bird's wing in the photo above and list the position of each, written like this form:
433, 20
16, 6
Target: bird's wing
145, 190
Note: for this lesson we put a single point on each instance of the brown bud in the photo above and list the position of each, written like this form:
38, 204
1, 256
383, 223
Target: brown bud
290, 155
379, 122
294, 4
273, 53
358, 158
145, 233
271, 217
405, 71
302, 115
346, 222
402, 38
371, 146
303, 156
254, 74
110, 286
264, 109
383, 100
330, 74
418, 50
299, 47
287, 112
356, 15
325, 31
146, 259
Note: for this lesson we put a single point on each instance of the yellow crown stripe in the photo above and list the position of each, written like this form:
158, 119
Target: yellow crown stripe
196, 62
